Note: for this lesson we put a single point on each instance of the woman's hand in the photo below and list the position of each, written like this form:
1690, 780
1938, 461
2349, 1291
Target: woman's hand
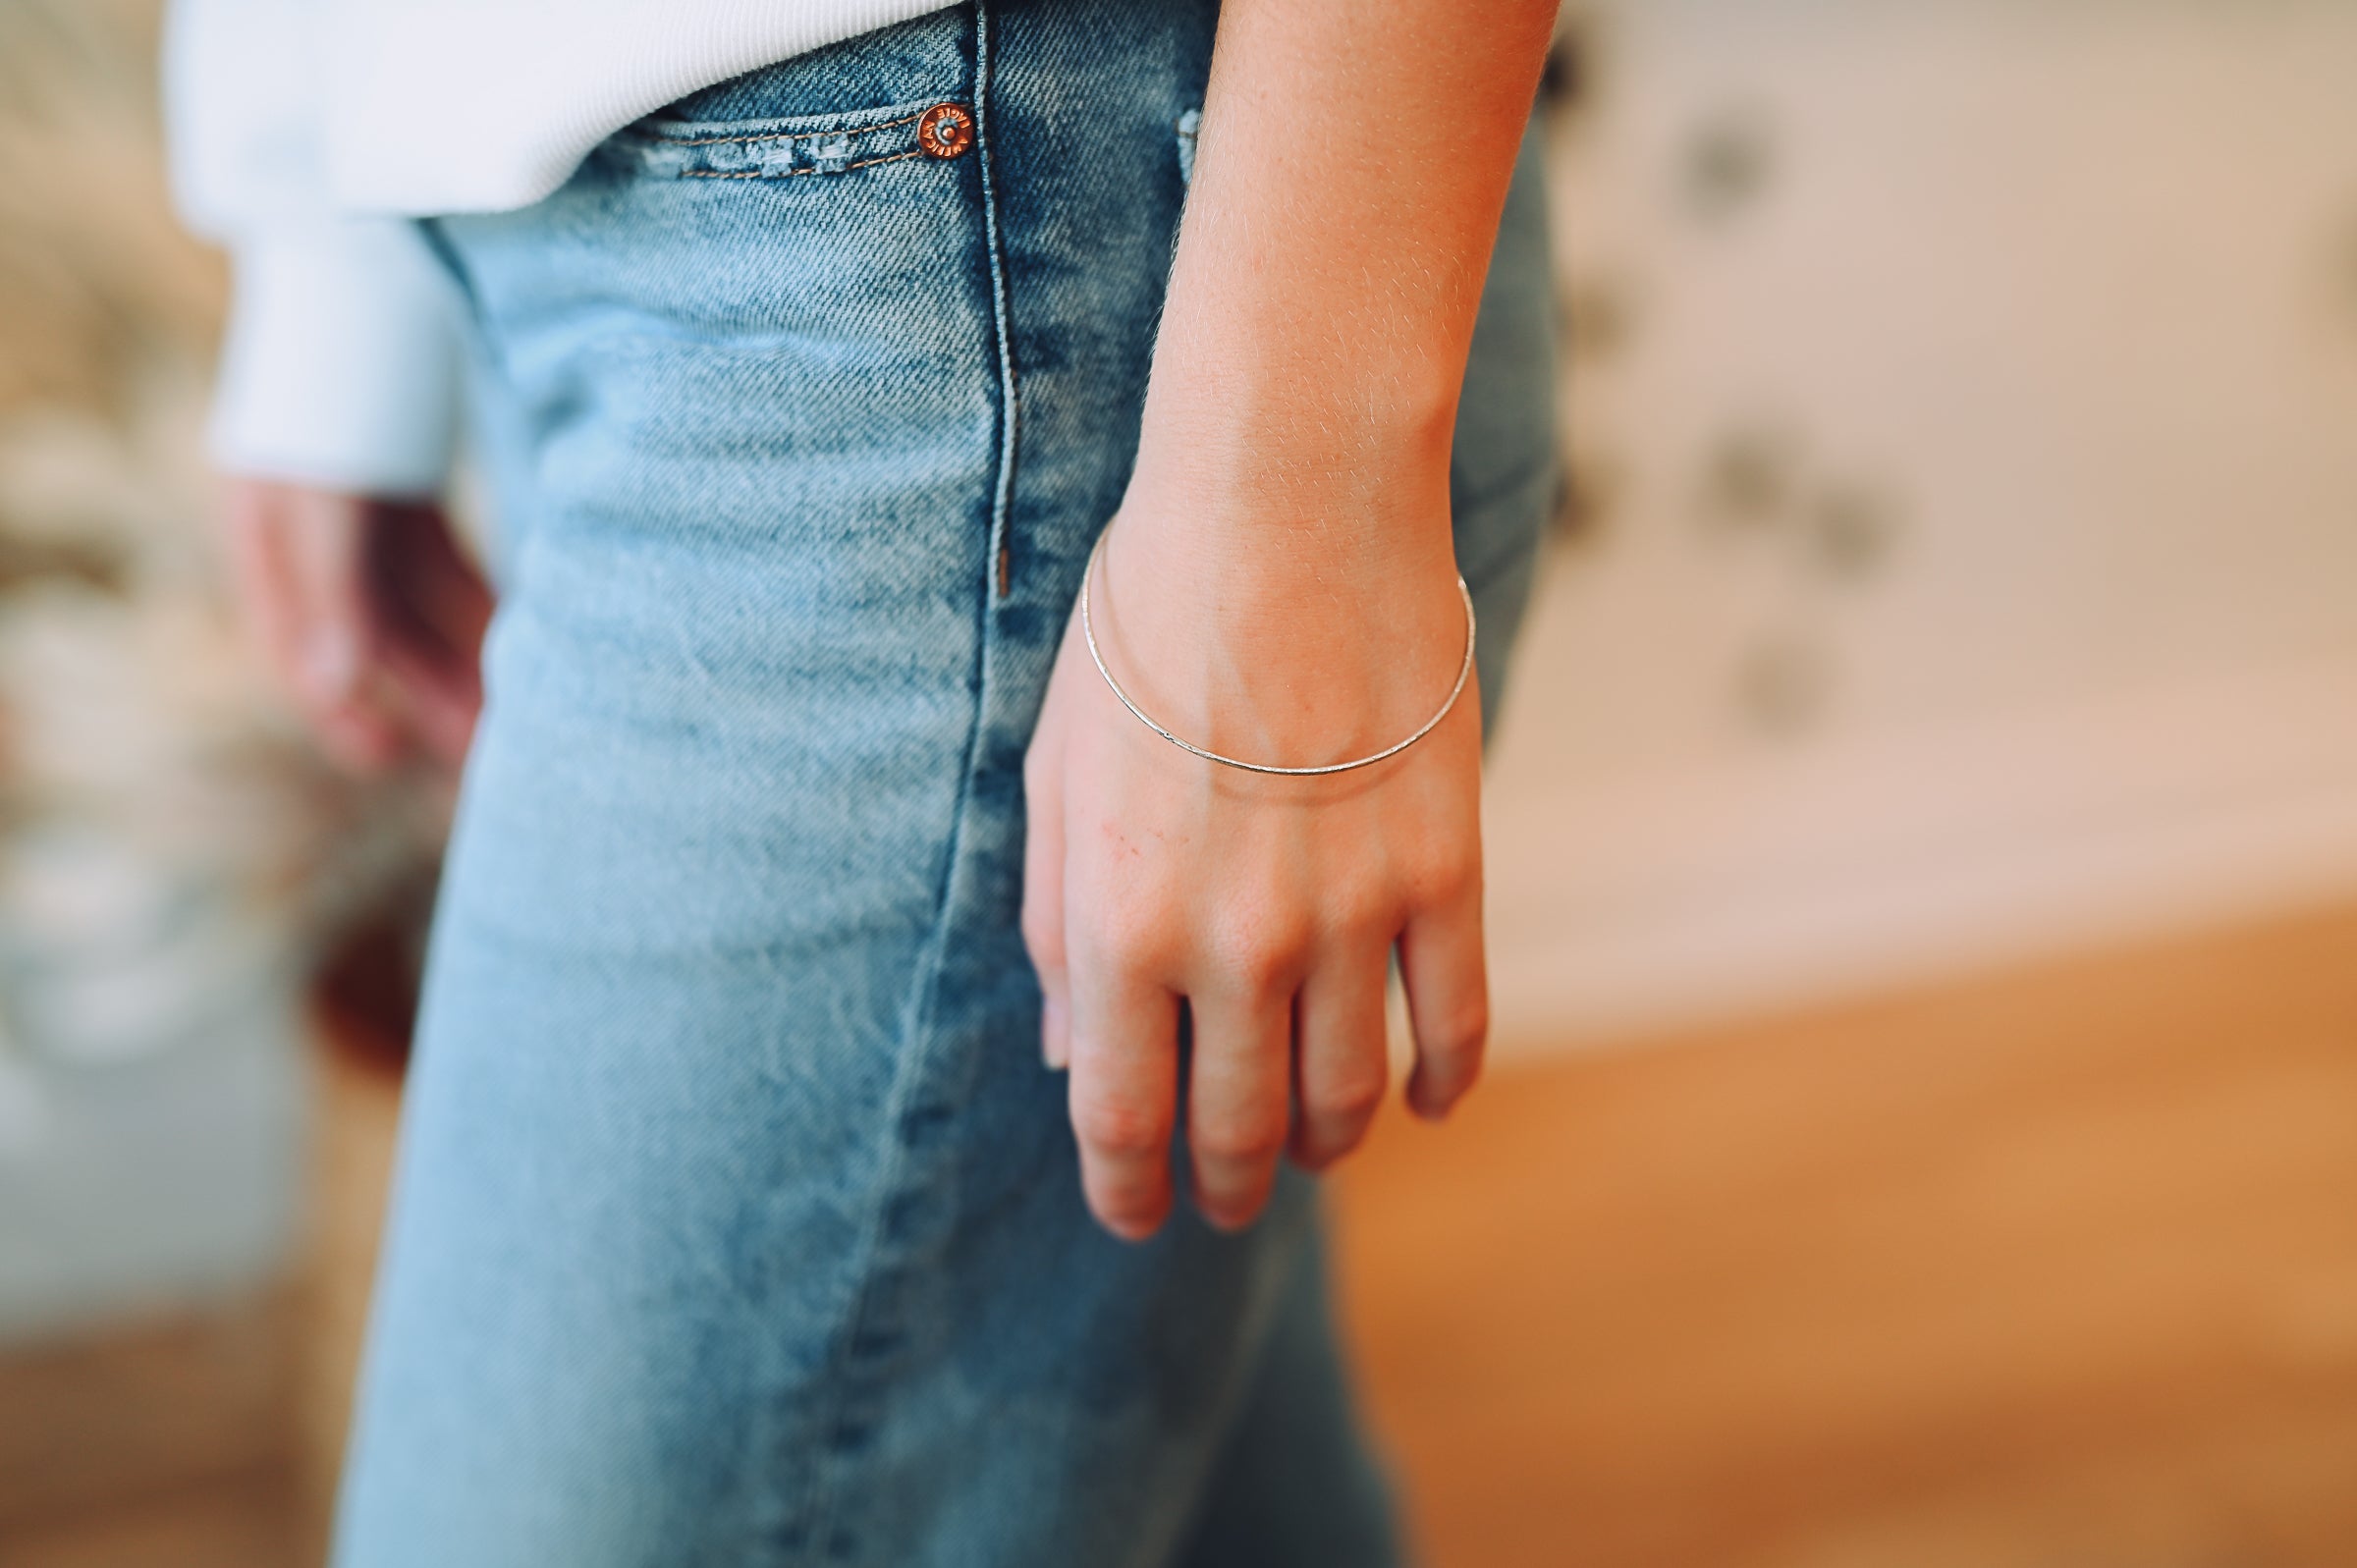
1279, 587
1262, 910
368, 611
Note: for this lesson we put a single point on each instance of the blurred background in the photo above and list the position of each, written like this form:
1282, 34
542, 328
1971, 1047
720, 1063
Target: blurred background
1923, 840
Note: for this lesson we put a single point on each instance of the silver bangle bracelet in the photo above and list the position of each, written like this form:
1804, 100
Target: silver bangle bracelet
1089, 630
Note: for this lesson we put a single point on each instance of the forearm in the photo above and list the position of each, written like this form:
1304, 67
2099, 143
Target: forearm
1289, 507
1353, 163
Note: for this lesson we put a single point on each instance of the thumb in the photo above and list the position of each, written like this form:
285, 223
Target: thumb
333, 636
323, 550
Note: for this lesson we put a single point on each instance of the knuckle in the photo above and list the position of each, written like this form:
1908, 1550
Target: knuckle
1260, 948
1465, 1030
1445, 876
1119, 1128
1043, 936
1135, 936
1350, 1095
1260, 970
1455, 1044
1250, 1141
1364, 911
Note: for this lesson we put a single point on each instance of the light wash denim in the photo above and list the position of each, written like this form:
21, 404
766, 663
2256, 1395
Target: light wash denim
736, 1220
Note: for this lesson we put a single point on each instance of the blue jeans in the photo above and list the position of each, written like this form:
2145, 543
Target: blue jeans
736, 1220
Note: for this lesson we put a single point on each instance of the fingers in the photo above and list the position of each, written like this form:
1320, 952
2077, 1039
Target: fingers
296, 564
1043, 894
322, 551
426, 584
1447, 999
1341, 1072
258, 573
368, 613
1124, 1092
1239, 1094
437, 698
430, 609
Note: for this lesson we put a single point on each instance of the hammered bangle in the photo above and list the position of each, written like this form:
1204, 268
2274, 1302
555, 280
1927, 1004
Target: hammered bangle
1089, 630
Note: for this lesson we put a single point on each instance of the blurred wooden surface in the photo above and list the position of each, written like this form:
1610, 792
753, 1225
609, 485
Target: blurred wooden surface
156, 1445
2059, 1268
212, 1441
360, 1103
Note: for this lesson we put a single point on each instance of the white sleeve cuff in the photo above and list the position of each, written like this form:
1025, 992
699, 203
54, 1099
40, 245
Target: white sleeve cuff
341, 366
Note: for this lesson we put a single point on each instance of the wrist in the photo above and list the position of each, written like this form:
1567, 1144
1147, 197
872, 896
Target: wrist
1301, 639
1242, 508
1270, 442
1300, 764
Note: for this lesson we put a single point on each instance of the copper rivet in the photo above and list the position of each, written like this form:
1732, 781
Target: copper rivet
945, 130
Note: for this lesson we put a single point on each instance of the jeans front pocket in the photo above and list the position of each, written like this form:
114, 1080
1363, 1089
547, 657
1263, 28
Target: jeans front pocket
895, 94
783, 148
760, 421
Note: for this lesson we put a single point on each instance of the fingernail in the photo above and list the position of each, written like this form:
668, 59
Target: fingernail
331, 664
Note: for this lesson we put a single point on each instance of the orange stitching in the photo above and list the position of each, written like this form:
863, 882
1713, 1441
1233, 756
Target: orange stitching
763, 174
795, 136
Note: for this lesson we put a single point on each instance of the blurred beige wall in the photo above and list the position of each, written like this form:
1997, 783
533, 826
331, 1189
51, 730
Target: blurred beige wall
1966, 413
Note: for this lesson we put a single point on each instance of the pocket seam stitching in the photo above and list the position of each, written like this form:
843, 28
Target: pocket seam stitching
791, 174
795, 136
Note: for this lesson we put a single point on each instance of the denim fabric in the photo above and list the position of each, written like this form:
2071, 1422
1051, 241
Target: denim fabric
736, 1220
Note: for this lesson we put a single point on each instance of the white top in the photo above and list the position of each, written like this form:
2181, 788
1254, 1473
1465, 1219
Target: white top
303, 130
